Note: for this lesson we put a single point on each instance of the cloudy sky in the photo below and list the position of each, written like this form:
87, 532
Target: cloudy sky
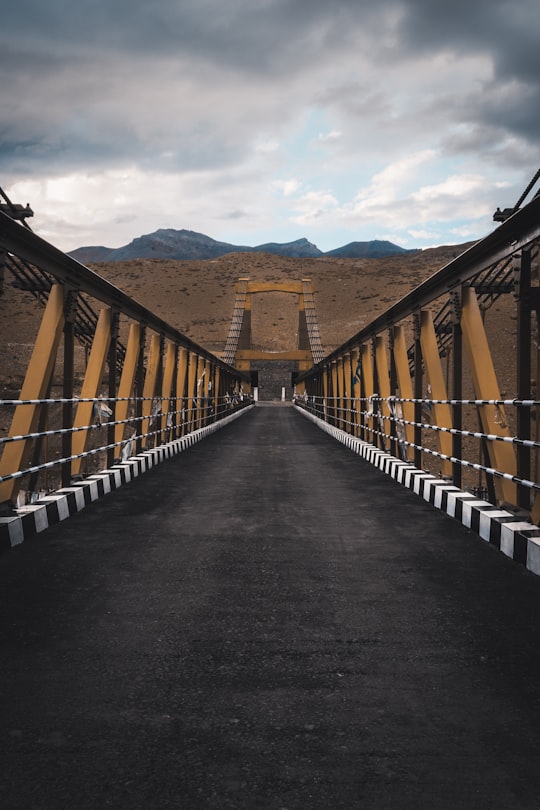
269, 120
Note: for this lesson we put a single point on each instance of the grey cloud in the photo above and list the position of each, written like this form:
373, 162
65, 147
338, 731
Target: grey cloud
233, 215
186, 84
506, 31
269, 35
264, 36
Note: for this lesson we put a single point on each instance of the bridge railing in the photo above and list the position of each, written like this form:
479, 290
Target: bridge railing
389, 433
47, 471
136, 383
438, 383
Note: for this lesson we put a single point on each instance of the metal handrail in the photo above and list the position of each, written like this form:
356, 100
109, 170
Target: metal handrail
331, 410
189, 416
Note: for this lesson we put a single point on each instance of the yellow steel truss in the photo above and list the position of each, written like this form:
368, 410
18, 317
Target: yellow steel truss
36, 386
493, 418
127, 379
434, 371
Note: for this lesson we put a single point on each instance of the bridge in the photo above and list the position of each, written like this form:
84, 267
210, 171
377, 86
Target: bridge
222, 602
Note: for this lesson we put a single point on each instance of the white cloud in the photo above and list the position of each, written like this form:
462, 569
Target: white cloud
313, 206
287, 187
388, 184
347, 120
422, 235
456, 186
329, 137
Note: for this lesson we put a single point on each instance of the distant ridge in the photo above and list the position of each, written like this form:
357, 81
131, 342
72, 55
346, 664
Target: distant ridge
376, 249
301, 248
167, 243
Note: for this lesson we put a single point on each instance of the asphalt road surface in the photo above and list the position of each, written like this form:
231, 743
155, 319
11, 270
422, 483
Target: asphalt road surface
266, 621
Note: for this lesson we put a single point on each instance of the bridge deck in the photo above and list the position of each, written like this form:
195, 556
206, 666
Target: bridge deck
267, 622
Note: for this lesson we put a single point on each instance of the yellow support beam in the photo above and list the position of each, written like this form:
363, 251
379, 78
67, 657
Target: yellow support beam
535, 512
383, 378
347, 387
166, 385
215, 389
326, 388
501, 454
127, 379
293, 287
36, 385
335, 393
369, 389
207, 392
356, 390
181, 375
191, 392
150, 383
92, 384
405, 386
200, 392
340, 402
434, 371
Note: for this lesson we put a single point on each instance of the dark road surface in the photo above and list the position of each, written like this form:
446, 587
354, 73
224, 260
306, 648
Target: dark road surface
266, 621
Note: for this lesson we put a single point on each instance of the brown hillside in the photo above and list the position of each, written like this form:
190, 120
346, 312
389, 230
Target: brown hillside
197, 297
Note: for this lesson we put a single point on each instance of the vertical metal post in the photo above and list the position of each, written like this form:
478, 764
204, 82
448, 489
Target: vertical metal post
201, 383
356, 391
207, 392
174, 395
70, 309
369, 390
140, 387
335, 412
393, 390
348, 423
149, 390
535, 510
418, 391
383, 389
113, 361
457, 387
3, 255
191, 391
214, 400
166, 389
340, 394
325, 392
442, 413
183, 361
125, 387
405, 387
523, 364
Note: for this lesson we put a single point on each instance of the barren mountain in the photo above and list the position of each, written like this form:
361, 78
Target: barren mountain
168, 243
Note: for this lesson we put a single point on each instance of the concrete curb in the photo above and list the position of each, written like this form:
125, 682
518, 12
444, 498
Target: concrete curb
515, 537
58, 506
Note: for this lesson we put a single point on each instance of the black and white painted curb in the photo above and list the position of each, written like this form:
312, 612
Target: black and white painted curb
51, 509
515, 537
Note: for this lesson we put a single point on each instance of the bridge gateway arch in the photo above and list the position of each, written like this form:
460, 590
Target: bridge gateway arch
240, 351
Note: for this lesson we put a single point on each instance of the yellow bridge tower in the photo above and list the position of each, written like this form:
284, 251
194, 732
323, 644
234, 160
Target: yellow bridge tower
239, 351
